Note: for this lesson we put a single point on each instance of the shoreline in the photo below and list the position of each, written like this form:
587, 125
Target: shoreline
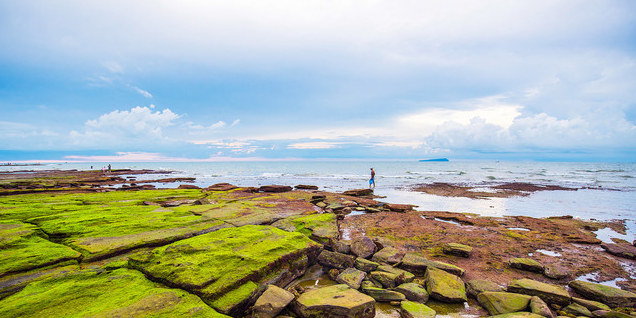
566, 244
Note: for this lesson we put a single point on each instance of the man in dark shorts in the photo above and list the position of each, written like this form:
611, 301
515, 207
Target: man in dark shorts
372, 180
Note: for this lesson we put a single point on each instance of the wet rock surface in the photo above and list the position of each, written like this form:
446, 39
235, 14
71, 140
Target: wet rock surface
334, 301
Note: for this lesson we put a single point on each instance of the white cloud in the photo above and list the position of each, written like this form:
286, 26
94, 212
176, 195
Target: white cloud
114, 67
314, 145
143, 93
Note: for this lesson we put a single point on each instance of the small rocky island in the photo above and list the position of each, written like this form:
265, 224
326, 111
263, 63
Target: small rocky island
89, 244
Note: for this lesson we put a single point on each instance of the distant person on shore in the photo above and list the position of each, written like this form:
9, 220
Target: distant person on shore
109, 167
372, 180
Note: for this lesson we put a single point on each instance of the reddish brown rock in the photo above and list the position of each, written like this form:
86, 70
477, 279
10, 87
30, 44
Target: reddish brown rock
620, 250
188, 186
358, 192
221, 187
399, 207
275, 188
363, 247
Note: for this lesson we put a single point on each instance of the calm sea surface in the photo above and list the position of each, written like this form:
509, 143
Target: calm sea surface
613, 195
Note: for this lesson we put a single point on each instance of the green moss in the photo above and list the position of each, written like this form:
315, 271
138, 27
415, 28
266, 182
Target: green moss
236, 298
21, 249
120, 293
319, 227
214, 263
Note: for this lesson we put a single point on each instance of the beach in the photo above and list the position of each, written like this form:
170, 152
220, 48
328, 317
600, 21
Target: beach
419, 216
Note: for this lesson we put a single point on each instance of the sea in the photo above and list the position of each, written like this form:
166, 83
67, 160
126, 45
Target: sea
607, 191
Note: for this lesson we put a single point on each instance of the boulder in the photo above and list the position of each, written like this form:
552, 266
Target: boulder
418, 264
334, 301
590, 304
526, 264
365, 265
389, 255
444, 286
336, 260
188, 187
351, 277
220, 187
386, 279
340, 247
402, 275
577, 310
539, 307
409, 309
274, 188
306, 187
620, 250
273, 300
556, 271
383, 295
413, 291
610, 296
551, 294
497, 303
457, 249
358, 192
363, 247
476, 286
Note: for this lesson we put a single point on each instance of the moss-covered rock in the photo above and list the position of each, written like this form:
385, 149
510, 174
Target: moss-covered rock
402, 275
321, 228
526, 264
577, 310
386, 279
539, 307
590, 304
522, 314
365, 265
476, 286
409, 309
217, 263
351, 277
334, 301
497, 303
610, 296
413, 292
363, 247
551, 294
418, 264
120, 293
457, 249
444, 286
383, 295
335, 260
389, 255
23, 247
273, 300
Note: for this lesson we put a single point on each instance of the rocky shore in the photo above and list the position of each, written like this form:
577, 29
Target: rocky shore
72, 245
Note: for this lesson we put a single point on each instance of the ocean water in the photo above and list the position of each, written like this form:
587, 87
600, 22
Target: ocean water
610, 187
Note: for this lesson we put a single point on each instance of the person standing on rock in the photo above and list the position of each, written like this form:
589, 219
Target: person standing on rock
372, 180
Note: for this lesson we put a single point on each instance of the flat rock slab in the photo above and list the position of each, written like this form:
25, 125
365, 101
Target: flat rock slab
275, 188
620, 250
610, 296
522, 314
321, 228
217, 263
526, 264
418, 264
358, 192
22, 249
476, 286
383, 295
444, 286
551, 294
365, 265
497, 303
120, 293
413, 292
334, 302
409, 309
457, 249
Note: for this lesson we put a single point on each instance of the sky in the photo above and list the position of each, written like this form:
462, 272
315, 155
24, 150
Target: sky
279, 80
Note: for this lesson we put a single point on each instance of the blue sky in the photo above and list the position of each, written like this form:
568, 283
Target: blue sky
251, 80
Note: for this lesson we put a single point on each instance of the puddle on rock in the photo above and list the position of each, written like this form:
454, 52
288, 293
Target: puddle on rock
549, 253
518, 228
592, 278
606, 234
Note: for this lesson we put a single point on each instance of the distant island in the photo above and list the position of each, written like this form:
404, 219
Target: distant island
435, 160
